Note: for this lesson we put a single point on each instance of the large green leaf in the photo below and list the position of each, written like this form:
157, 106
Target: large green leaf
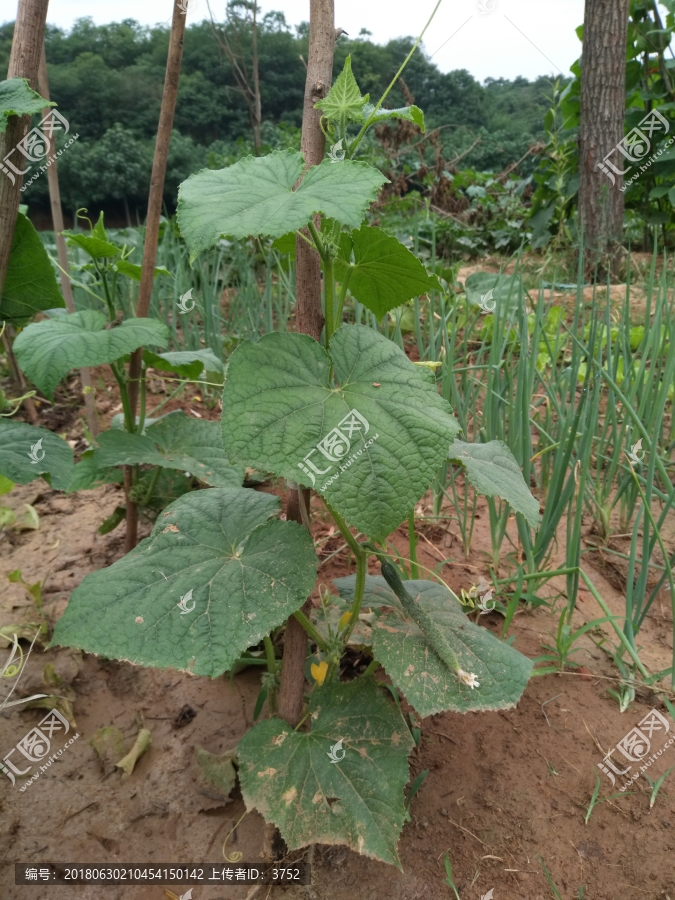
358, 800
30, 285
185, 363
176, 441
343, 103
17, 98
409, 113
237, 573
492, 469
427, 683
95, 246
279, 403
47, 350
255, 196
26, 452
384, 273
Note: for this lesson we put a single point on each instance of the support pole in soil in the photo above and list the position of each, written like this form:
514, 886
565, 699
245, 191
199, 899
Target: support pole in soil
159, 162
308, 315
57, 219
24, 62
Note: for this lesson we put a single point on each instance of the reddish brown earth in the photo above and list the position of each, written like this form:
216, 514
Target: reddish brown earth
504, 789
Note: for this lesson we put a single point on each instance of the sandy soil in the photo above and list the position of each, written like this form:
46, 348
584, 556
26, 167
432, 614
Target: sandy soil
503, 789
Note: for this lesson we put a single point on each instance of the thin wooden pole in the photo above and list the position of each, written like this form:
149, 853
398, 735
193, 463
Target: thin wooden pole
308, 317
155, 196
62, 252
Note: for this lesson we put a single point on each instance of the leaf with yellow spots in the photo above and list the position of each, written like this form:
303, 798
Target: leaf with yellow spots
313, 795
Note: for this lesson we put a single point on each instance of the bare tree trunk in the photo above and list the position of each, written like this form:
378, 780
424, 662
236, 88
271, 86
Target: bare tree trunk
309, 318
257, 105
57, 220
601, 127
24, 62
159, 163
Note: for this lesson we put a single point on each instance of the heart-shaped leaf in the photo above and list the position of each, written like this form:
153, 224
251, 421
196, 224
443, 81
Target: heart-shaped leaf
370, 444
176, 441
17, 98
492, 469
340, 783
30, 285
26, 452
427, 683
384, 273
214, 577
255, 196
47, 350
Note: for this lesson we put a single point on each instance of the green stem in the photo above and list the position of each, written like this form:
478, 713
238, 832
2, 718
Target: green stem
124, 397
361, 572
666, 558
372, 667
311, 630
342, 297
356, 548
269, 653
412, 540
329, 298
321, 250
141, 417
371, 117
151, 486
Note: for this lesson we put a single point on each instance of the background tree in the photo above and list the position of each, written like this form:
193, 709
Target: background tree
601, 127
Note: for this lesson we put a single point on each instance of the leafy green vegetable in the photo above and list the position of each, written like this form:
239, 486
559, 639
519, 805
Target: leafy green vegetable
429, 685
409, 113
26, 452
343, 103
492, 469
255, 197
215, 575
384, 273
30, 285
47, 350
176, 441
131, 270
96, 247
357, 800
17, 98
279, 404
185, 363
